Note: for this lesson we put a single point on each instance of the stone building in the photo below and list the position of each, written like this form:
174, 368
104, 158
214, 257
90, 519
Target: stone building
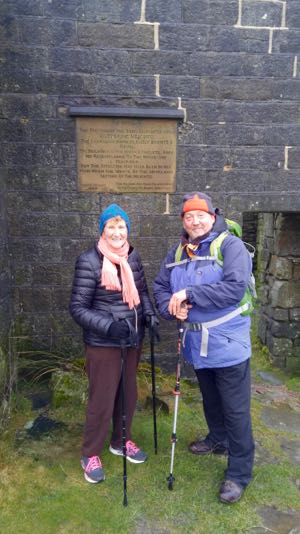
231, 66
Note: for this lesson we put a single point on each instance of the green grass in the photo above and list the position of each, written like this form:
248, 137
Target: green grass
42, 488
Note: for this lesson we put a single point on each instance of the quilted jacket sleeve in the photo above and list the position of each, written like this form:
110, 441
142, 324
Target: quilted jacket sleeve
81, 305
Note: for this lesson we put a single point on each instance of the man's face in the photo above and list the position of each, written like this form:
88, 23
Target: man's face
197, 223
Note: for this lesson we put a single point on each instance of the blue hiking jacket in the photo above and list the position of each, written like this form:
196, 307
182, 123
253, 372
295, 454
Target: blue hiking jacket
213, 291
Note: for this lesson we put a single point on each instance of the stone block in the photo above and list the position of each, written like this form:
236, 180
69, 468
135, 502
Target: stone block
286, 42
90, 61
14, 131
190, 134
187, 37
150, 202
42, 178
22, 7
23, 275
124, 85
249, 89
295, 314
160, 62
285, 294
26, 106
155, 225
287, 241
222, 39
57, 83
279, 314
54, 274
257, 113
25, 58
29, 154
167, 11
281, 268
60, 298
67, 155
208, 157
82, 202
35, 250
43, 31
240, 134
89, 226
116, 11
126, 36
71, 248
293, 14
294, 158
212, 12
52, 131
280, 347
27, 201
183, 86
296, 269
281, 181
14, 80
73, 9
9, 30
147, 246
34, 299
284, 330
262, 66
197, 179
260, 13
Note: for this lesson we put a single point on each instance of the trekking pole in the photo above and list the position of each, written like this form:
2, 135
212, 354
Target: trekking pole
176, 392
125, 502
153, 387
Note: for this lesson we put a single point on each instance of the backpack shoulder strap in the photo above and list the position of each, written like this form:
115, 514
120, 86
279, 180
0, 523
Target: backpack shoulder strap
178, 253
215, 247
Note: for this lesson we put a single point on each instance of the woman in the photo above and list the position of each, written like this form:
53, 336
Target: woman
110, 302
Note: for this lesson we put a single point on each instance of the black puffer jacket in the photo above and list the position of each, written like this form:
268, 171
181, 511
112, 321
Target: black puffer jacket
95, 308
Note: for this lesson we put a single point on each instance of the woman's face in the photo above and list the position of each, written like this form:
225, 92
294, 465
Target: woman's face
197, 223
115, 232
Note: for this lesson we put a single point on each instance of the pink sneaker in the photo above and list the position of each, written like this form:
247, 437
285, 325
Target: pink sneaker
93, 471
133, 453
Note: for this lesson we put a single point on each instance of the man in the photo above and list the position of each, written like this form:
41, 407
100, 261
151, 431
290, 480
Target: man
208, 295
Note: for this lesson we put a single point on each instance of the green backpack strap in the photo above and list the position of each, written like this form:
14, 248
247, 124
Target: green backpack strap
178, 253
215, 247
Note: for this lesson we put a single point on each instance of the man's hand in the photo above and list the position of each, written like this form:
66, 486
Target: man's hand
183, 312
175, 304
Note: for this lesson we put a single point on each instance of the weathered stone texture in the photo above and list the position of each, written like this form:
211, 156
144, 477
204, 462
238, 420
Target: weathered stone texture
210, 11
115, 35
258, 13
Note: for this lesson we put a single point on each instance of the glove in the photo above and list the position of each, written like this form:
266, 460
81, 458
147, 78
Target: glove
118, 330
152, 322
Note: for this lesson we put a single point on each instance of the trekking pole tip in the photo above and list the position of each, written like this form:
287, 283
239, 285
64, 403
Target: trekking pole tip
170, 480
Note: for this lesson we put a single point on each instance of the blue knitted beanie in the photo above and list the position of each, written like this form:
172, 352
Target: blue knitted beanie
113, 210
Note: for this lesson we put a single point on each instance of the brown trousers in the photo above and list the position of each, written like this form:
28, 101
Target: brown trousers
103, 368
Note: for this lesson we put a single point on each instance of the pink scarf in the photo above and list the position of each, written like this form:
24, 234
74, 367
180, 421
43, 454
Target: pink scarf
109, 277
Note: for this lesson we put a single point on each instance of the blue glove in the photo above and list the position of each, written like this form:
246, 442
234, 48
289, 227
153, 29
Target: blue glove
118, 330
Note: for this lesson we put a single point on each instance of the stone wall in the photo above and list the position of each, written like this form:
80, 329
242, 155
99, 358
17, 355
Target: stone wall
231, 65
5, 294
279, 326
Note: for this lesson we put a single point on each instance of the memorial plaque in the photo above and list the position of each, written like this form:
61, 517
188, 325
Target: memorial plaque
118, 155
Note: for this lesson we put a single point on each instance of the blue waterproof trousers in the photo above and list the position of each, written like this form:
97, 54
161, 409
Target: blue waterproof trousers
226, 395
